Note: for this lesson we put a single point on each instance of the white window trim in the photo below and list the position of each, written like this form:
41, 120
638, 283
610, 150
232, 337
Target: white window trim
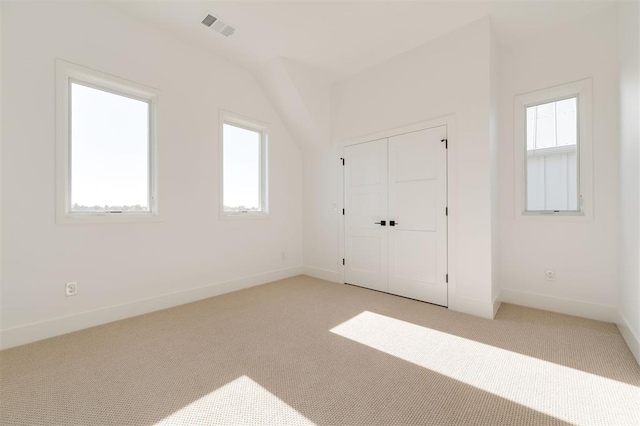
65, 73
257, 126
583, 91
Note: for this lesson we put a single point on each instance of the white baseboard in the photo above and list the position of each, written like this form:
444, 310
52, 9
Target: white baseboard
42, 330
323, 274
473, 307
631, 336
578, 308
497, 301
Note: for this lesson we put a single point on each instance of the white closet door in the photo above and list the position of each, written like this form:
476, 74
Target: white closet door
417, 202
366, 251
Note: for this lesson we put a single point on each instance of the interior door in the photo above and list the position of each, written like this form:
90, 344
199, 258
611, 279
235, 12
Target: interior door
418, 216
365, 196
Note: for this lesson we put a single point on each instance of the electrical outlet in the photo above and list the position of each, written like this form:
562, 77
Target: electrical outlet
550, 275
71, 289
283, 255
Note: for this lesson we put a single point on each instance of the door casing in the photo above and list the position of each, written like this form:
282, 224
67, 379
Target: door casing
448, 121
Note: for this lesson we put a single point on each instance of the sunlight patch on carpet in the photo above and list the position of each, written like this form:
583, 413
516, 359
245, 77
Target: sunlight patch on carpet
240, 402
562, 392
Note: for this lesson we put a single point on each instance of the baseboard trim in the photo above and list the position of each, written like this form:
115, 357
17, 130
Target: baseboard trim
578, 308
322, 274
45, 329
497, 301
473, 307
631, 336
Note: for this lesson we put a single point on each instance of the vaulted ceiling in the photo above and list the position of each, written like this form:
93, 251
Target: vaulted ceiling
344, 37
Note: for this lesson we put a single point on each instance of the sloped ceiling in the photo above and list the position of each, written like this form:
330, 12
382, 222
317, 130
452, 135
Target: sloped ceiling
297, 49
301, 98
344, 37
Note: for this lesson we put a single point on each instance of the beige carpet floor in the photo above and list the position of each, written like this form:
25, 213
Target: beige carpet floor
306, 351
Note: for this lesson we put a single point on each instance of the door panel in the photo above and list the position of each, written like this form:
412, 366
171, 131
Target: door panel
418, 212
415, 159
366, 254
420, 254
366, 243
417, 202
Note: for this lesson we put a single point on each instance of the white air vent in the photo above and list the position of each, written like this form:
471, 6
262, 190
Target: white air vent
218, 25
227, 31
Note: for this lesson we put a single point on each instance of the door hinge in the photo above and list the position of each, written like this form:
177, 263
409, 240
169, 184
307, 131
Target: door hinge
446, 211
342, 212
343, 260
342, 159
446, 278
446, 143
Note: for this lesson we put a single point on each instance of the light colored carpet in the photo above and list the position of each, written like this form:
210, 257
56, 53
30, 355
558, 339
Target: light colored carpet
306, 351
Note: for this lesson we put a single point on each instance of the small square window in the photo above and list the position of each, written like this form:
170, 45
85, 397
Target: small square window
244, 177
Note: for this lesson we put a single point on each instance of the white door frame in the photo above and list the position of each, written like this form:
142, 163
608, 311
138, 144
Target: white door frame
452, 189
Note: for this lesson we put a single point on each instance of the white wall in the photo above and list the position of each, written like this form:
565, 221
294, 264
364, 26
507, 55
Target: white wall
322, 173
448, 76
629, 175
1, 149
583, 253
116, 264
494, 135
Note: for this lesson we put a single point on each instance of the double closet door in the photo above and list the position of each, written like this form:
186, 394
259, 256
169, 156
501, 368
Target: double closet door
396, 215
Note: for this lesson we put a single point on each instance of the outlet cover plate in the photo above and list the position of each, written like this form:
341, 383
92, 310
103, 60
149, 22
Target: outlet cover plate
71, 289
550, 275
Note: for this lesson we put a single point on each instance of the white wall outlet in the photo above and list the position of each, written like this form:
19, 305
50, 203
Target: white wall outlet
71, 289
550, 275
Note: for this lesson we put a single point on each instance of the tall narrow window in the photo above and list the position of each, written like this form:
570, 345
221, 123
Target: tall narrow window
243, 168
553, 151
552, 156
106, 147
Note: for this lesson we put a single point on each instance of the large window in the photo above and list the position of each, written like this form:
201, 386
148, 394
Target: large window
244, 171
106, 146
553, 151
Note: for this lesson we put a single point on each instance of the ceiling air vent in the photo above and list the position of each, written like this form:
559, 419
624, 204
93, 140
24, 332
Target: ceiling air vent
227, 31
209, 20
218, 25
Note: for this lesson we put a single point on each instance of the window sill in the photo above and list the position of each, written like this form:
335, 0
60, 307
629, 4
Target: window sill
242, 216
556, 216
97, 218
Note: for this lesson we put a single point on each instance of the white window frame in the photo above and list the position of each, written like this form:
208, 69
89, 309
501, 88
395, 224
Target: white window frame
582, 90
237, 120
67, 73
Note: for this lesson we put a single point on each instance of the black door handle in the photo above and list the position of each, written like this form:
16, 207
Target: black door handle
393, 223
382, 223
